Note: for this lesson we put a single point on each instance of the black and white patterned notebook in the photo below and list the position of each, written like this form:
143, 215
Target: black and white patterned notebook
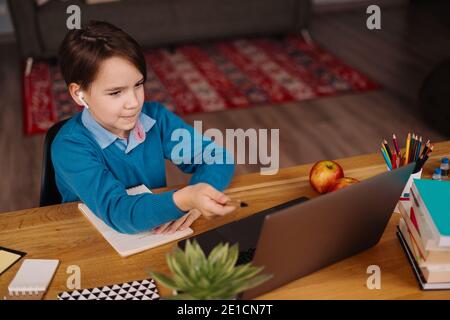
135, 290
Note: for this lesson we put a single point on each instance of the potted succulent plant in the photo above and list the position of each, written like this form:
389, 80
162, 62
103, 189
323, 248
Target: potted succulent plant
195, 276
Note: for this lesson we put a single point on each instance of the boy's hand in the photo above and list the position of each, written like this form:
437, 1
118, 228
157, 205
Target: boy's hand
162, 228
179, 224
203, 197
199, 199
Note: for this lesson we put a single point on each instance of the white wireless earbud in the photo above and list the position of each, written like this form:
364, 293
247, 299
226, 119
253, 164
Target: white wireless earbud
81, 96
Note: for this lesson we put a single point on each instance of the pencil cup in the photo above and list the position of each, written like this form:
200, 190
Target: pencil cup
406, 190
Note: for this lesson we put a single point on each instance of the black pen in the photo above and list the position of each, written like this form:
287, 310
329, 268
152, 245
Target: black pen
236, 203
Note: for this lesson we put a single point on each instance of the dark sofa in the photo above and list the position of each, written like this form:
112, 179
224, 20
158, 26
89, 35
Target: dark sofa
40, 28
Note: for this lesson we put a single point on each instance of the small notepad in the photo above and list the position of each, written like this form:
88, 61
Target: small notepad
33, 278
128, 244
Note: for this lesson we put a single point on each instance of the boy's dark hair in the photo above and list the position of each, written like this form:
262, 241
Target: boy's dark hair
82, 51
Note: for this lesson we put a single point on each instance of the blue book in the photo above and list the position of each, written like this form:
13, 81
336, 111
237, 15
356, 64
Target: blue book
432, 197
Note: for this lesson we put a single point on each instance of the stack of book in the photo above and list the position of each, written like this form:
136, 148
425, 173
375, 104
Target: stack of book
424, 232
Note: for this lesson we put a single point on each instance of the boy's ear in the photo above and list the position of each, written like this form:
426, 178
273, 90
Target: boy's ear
74, 90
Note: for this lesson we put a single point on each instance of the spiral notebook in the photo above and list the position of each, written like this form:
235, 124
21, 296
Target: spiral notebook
32, 279
128, 244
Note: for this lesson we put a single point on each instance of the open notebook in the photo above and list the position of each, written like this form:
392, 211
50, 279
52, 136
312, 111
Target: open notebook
128, 244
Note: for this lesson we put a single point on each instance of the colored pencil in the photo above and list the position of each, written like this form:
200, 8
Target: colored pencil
394, 140
408, 140
412, 148
388, 149
420, 163
425, 148
423, 161
385, 150
423, 158
416, 142
419, 145
386, 158
394, 161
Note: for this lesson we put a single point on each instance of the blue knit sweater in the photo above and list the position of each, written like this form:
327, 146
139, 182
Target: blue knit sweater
99, 174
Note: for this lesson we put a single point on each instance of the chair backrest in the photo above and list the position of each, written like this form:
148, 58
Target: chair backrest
49, 192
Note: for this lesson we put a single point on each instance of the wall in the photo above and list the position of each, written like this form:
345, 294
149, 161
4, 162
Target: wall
5, 22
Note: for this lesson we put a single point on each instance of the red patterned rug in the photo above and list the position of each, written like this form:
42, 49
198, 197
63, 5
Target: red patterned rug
211, 77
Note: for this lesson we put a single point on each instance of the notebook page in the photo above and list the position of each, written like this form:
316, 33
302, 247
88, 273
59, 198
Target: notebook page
128, 244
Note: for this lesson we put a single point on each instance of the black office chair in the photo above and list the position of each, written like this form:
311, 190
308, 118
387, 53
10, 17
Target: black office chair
49, 192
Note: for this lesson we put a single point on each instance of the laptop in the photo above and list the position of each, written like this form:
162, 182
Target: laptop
301, 236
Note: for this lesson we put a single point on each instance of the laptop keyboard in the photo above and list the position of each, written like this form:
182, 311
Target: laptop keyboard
246, 256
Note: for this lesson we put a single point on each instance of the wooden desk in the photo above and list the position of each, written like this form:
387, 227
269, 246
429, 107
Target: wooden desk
63, 233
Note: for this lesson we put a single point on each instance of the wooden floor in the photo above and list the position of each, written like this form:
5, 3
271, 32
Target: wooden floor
412, 40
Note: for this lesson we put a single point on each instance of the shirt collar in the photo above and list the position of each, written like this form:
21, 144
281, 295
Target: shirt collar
105, 137
138, 133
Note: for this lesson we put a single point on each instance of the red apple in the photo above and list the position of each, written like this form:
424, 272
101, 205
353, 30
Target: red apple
324, 174
342, 183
